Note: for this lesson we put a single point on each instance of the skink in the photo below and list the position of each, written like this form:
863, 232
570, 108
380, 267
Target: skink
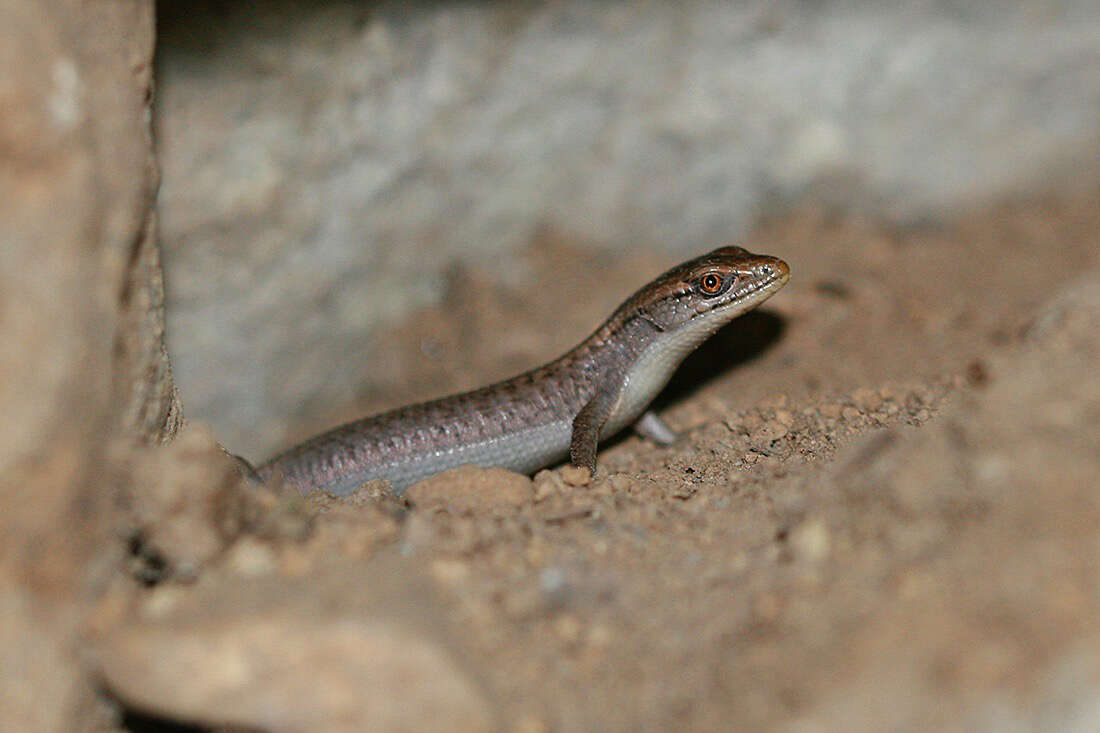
561, 409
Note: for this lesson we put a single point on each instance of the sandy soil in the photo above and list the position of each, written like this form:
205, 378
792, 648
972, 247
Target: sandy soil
883, 514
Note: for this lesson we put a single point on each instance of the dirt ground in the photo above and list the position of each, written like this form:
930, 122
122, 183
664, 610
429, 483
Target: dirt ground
883, 514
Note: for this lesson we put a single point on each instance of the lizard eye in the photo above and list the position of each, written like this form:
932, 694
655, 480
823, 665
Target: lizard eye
711, 283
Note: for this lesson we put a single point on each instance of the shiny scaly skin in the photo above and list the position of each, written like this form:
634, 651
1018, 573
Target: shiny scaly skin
553, 412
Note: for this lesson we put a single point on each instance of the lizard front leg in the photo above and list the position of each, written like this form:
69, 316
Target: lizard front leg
589, 422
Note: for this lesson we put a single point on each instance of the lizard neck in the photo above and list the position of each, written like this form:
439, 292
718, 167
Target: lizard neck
636, 355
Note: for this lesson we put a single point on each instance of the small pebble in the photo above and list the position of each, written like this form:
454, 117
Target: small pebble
251, 558
551, 580
768, 432
784, 417
810, 540
547, 483
576, 475
866, 398
161, 601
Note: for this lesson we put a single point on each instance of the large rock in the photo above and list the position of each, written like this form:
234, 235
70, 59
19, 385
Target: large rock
76, 259
278, 654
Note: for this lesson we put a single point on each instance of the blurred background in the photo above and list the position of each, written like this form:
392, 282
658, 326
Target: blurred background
327, 164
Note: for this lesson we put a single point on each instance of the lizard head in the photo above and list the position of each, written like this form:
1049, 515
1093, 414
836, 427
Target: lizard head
714, 288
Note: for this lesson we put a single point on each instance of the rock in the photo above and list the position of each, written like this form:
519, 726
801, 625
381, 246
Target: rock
75, 192
43, 687
867, 399
766, 434
810, 540
547, 484
77, 186
350, 647
185, 501
290, 673
576, 475
473, 490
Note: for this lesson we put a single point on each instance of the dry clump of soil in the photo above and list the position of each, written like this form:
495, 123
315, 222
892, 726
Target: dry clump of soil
884, 517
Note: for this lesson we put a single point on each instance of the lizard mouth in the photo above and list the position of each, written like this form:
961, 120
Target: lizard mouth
775, 274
